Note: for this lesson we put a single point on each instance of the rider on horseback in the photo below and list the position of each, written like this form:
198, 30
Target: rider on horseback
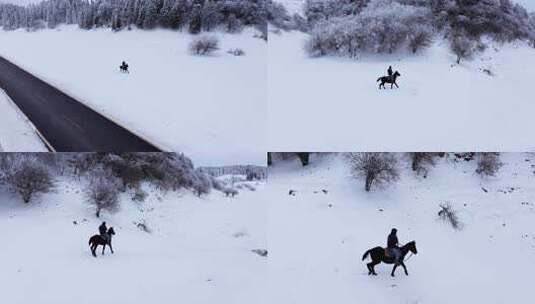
103, 230
392, 248
389, 71
124, 66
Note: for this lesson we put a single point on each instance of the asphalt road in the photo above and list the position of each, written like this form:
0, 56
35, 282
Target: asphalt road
67, 125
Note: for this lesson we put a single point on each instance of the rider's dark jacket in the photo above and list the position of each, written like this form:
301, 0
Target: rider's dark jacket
102, 229
392, 241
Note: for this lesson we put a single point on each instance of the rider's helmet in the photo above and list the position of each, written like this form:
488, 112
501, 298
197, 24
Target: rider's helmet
394, 231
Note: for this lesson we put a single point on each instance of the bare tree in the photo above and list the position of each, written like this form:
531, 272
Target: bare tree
375, 168
488, 164
28, 177
304, 157
102, 192
462, 46
204, 45
420, 39
421, 161
449, 215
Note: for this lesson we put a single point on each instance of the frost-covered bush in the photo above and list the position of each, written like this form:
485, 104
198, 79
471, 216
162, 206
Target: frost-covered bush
383, 26
204, 45
462, 46
277, 15
488, 164
102, 191
139, 195
419, 38
321, 10
449, 215
29, 177
236, 52
230, 192
164, 171
422, 161
202, 184
374, 168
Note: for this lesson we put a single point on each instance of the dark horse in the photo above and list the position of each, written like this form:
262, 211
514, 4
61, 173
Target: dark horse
378, 255
97, 239
124, 67
389, 79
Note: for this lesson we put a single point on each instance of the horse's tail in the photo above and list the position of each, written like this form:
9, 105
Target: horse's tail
379, 79
366, 254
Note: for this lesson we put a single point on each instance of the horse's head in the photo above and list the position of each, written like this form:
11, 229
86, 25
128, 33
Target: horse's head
111, 231
397, 74
412, 247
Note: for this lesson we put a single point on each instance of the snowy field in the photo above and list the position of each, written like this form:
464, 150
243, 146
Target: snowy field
439, 105
316, 250
199, 250
16, 134
195, 105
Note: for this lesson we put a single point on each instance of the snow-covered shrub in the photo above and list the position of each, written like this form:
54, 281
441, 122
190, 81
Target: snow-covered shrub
204, 45
422, 161
230, 192
236, 52
488, 164
321, 10
277, 15
164, 171
102, 191
449, 215
374, 168
462, 46
419, 38
383, 26
202, 184
139, 195
28, 177
143, 226
304, 157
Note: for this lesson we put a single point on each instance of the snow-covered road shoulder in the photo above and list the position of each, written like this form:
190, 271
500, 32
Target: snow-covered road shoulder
16, 132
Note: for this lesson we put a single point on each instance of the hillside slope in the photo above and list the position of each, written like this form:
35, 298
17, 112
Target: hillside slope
439, 105
198, 251
317, 240
181, 102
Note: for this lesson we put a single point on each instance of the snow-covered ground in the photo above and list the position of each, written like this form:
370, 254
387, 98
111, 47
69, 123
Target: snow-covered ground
316, 250
195, 105
16, 134
199, 250
439, 105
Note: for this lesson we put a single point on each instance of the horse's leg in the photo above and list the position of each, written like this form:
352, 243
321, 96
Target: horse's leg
394, 269
369, 268
405, 268
373, 267
103, 247
93, 249
111, 248
396, 85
